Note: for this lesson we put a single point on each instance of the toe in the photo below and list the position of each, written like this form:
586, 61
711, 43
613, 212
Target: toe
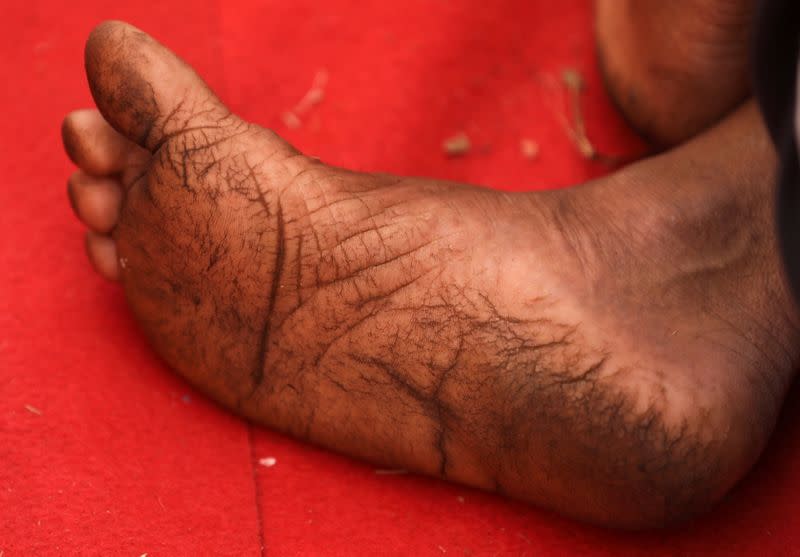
102, 252
94, 145
96, 201
144, 90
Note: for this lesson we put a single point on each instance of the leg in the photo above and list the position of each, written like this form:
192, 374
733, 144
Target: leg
618, 351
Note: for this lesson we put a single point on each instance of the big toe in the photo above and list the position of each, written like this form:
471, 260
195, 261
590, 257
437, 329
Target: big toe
144, 90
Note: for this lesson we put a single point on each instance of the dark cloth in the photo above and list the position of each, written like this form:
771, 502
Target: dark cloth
777, 47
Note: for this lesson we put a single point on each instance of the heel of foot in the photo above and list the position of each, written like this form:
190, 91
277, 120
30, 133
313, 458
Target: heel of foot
671, 86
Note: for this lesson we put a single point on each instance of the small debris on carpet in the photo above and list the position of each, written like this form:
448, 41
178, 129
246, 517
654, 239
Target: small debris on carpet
573, 81
529, 148
186, 398
123, 262
460, 499
572, 78
390, 472
291, 120
314, 96
457, 145
268, 462
32, 410
443, 550
143, 555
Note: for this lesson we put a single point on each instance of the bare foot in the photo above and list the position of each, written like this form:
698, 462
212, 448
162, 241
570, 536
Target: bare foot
617, 351
675, 68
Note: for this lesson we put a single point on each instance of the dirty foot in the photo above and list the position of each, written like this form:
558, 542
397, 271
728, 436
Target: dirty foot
617, 351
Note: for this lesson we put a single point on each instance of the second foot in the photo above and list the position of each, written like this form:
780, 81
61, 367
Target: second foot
675, 68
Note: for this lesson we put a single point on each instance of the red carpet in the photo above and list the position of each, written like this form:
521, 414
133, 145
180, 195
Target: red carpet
104, 452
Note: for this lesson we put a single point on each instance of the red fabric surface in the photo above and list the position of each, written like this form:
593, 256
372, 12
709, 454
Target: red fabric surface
125, 458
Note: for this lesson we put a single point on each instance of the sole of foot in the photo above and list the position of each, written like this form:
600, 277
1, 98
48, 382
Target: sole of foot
617, 351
